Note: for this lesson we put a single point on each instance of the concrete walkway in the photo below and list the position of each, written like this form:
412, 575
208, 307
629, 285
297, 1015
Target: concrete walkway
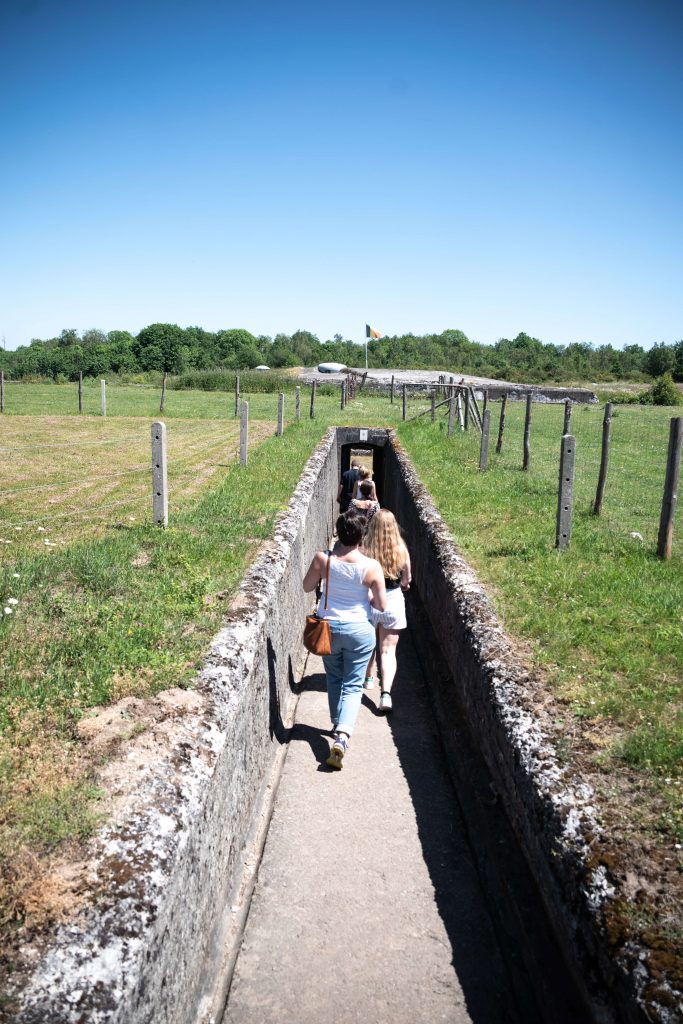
367, 906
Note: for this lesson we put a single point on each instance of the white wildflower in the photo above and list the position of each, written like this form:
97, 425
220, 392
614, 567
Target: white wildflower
636, 536
41, 529
16, 576
12, 600
8, 611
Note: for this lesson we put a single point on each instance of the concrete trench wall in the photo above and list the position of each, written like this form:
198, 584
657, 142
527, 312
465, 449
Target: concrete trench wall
149, 947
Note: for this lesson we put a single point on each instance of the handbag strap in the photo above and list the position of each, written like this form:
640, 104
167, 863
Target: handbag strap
327, 578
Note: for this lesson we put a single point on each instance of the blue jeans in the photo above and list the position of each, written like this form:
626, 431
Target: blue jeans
352, 645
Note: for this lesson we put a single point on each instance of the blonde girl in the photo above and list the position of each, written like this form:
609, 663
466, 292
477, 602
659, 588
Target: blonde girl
383, 542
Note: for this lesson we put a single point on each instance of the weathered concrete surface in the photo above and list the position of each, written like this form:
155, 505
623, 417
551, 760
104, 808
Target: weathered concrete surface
368, 905
150, 941
481, 693
422, 380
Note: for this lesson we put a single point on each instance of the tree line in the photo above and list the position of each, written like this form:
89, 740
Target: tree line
167, 347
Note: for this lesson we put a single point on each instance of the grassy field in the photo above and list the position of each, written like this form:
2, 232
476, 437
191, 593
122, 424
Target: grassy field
605, 617
112, 606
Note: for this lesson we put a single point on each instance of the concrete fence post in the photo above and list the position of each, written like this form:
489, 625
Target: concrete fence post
526, 461
565, 493
297, 401
244, 432
80, 391
103, 397
280, 414
501, 424
604, 459
163, 393
159, 475
670, 499
567, 416
237, 394
485, 432
313, 390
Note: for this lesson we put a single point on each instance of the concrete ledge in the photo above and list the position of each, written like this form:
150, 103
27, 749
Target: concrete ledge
493, 729
150, 942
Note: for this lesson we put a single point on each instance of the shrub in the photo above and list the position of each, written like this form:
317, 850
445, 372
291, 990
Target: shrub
662, 392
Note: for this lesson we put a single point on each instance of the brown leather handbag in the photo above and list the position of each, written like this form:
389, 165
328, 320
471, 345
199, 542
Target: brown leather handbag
317, 635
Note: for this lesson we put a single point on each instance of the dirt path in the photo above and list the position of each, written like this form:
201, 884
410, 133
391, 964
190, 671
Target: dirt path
368, 906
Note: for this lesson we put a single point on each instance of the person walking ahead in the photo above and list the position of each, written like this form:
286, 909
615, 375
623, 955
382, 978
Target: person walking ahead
347, 485
383, 541
353, 577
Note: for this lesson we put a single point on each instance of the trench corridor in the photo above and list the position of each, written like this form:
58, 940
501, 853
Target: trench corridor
368, 906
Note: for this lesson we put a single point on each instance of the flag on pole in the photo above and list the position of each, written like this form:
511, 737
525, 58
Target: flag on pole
370, 332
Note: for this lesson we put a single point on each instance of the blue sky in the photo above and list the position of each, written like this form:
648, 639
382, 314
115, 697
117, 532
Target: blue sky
494, 167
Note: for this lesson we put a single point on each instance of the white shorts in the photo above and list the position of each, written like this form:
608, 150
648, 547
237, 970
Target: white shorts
394, 616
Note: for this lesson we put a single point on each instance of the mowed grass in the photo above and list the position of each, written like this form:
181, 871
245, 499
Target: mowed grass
605, 618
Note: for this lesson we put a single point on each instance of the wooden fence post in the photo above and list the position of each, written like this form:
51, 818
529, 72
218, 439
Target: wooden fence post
237, 394
297, 400
313, 389
467, 408
670, 499
2, 390
159, 475
342, 401
405, 400
526, 462
244, 433
391, 393
280, 415
163, 392
433, 405
486, 404
567, 416
451, 414
501, 424
485, 431
103, 397
80, 391
474, 408
565, 494
604, 458
458, 406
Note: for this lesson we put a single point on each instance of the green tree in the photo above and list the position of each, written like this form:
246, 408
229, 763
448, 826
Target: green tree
659, 360
160, 347
662, 392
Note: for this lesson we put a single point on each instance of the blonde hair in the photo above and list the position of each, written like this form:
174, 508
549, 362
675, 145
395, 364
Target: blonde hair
363, 473
383, 541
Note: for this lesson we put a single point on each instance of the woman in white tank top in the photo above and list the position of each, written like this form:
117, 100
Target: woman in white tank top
352, 576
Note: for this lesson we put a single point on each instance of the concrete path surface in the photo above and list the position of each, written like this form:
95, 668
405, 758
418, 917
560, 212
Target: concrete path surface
367, 905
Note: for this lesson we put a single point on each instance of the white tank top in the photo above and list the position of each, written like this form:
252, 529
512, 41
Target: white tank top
349, 600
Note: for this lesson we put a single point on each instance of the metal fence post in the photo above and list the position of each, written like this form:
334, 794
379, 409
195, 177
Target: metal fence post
565, 493
526, 462
670, 499
280, 414
159, 475
604, 459
484, 449
501, 424
244, 432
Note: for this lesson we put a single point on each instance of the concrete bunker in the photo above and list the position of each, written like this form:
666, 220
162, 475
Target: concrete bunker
156, 944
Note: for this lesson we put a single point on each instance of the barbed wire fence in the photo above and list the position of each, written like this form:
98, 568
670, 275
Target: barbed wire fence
625, 465
74, 485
